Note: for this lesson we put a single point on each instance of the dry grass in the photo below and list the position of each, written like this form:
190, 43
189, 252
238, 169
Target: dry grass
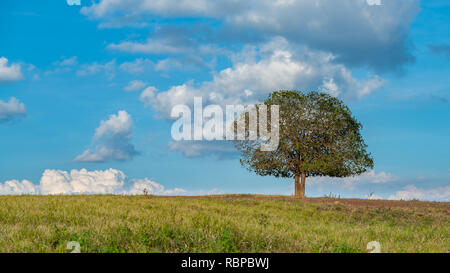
217, 224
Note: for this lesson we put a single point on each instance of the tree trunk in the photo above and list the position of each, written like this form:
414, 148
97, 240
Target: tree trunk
300, 186
297, 185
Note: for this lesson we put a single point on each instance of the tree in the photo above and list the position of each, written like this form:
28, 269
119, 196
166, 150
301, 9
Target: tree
318, 136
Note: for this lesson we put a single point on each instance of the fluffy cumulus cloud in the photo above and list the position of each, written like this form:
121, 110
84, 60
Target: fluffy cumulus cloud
257, 71
111, 140
82, 181
285, 44
412, 192
379, 36
17, 187
9, 73
11, 110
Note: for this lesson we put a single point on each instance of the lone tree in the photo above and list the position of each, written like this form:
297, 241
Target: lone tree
318, 137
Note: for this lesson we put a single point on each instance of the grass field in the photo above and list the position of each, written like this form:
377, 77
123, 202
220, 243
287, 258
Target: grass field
232, 223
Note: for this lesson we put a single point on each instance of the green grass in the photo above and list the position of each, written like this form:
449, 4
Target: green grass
234, 224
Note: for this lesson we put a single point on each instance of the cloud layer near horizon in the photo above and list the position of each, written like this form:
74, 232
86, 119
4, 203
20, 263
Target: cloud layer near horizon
411, 192
110, 181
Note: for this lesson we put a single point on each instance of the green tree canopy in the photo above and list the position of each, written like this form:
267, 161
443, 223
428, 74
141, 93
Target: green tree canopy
318, 137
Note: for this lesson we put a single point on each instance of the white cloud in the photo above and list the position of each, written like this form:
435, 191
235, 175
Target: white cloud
126, 21
374, 2
169, 43
68, 61
95, 68
272, 66
412, 192
151, 187
135, 85
11, 109
9, 73
116, 124
82, 181
373, 177
137, 66
352, 182
378, 36
66, 65
112, 140
254, 74
188, 63
108, 7
59, 69
151, 46
373, 197
167, 64
110, 181
14, 187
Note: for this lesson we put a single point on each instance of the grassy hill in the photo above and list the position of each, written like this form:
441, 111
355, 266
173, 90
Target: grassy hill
229, 223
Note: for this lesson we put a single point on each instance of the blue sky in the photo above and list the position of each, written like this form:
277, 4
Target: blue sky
89, 87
